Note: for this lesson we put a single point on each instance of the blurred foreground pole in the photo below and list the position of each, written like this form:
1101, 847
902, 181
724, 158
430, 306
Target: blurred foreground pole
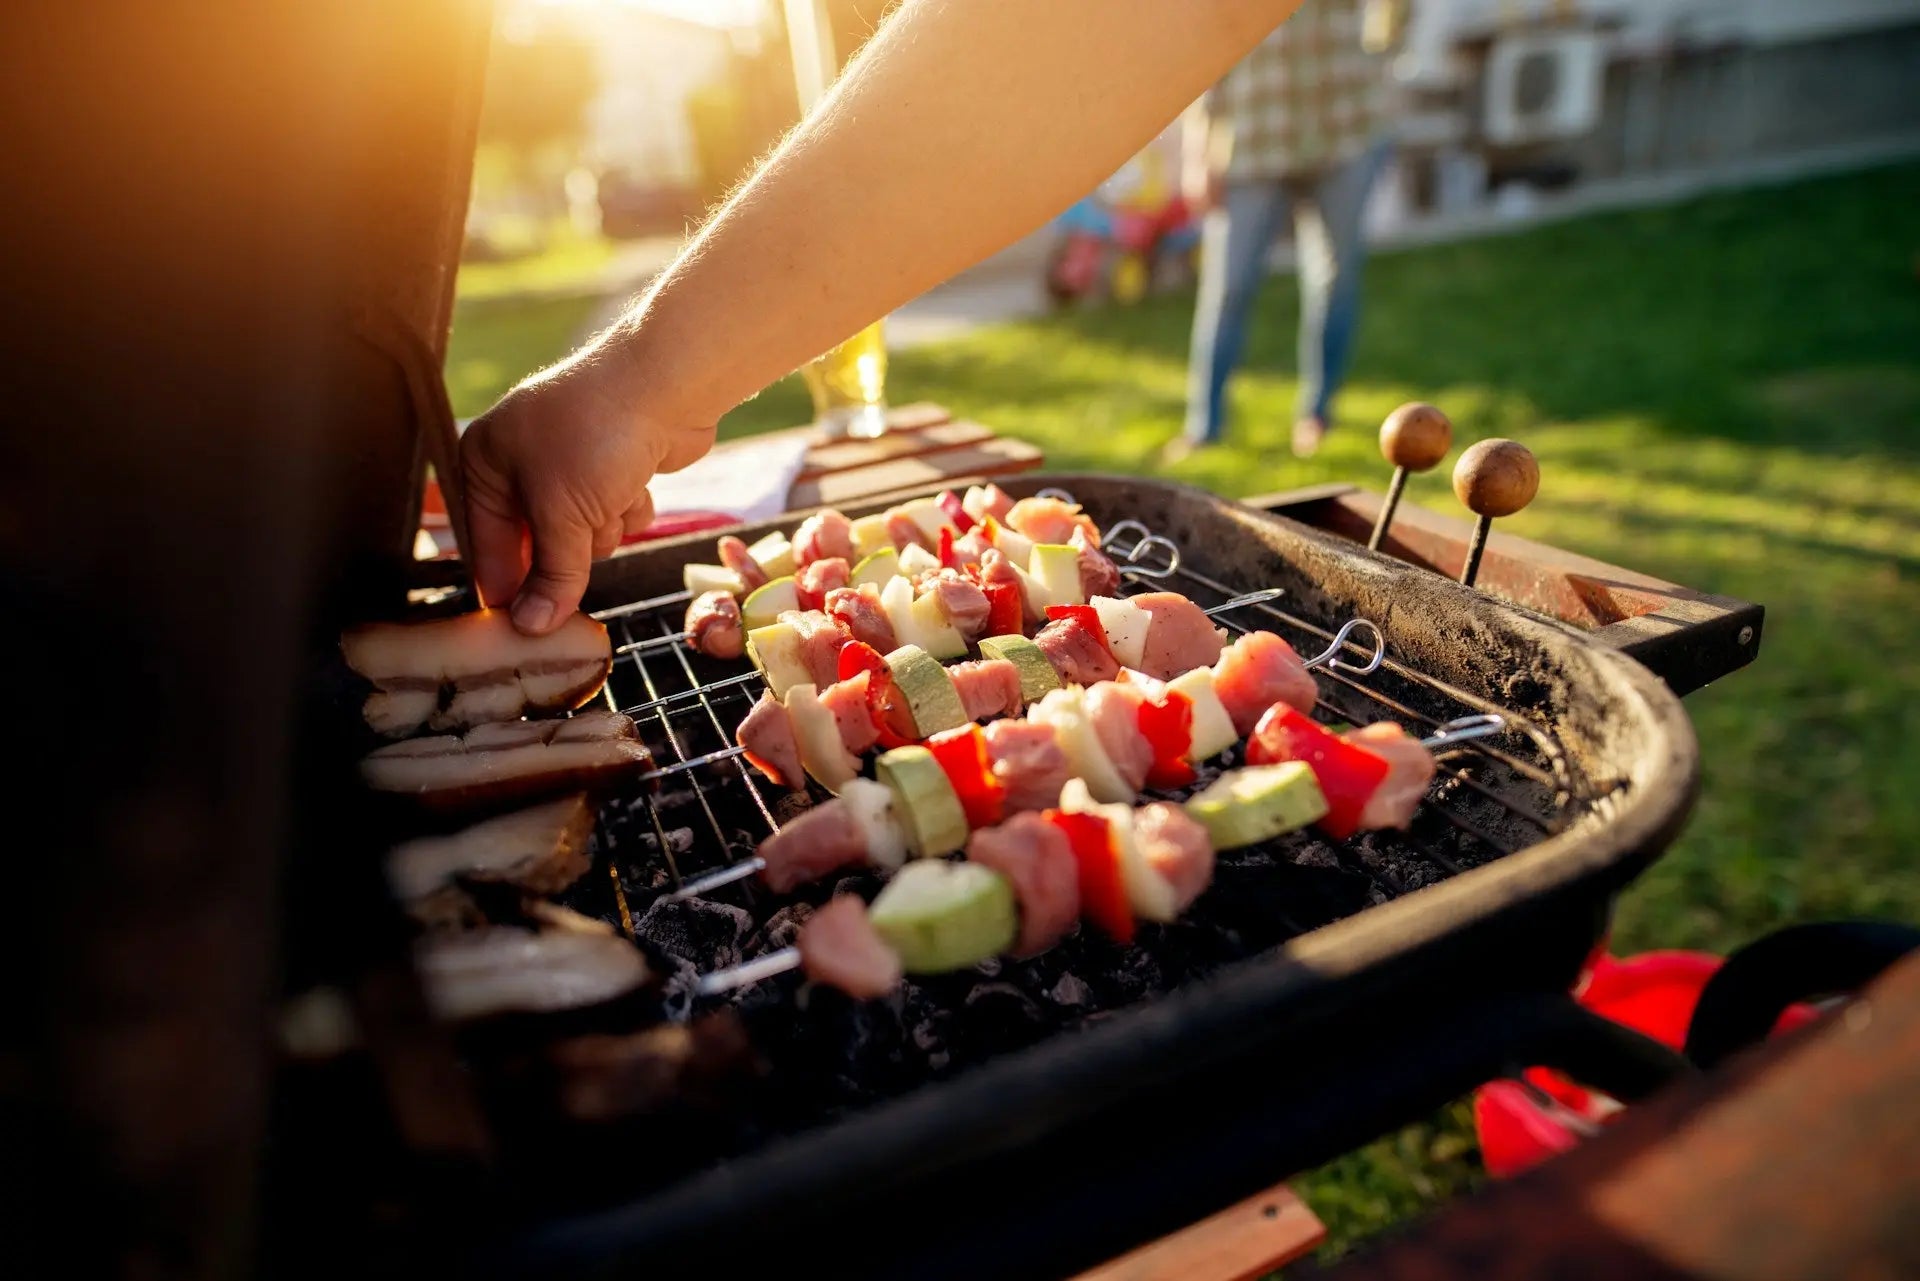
810, 36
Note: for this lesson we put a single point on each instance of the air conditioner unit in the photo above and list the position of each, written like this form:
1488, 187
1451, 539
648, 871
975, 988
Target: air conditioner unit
1541, 86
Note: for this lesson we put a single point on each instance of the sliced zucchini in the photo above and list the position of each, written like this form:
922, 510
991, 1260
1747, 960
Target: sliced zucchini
870, 535
822, 751
1013, 544
1056, 568
768, 601
774, 553
1255, 803
877, 568
871, 805
700, 579
775, 650
928, 689
1126, 625
1212, 727
935, 634
923, 800
939, 916
1037, 675
1065, 710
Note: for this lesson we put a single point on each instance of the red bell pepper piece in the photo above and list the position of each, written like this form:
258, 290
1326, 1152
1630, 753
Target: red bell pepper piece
858, 656
1348, 774
1089, 618
1103, 896
807, 599
962, 753
1167, 723
947, 556
956, 510
892, 718
1003, 608
990, 530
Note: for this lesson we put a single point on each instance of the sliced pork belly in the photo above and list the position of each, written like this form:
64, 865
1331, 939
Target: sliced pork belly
847, 700
988, 689
1181, 636
839, 947
473, 669
1034, 855
713, 625
821, 640
1114, 710
1027, 759
822, 536
980, 502
1048, 520
962, 603
1080, 657
1099, 576
735, 556
815, 580
1176, 848
822, 840
857, 609
494, 767
766, 735
480, 973
1257, 671
542, 850
1410, 767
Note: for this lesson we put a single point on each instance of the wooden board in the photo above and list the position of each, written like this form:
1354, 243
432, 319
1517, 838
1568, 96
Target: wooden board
1243, 1241
994, 457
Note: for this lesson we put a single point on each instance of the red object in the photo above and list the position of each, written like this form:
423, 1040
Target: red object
806, 598
955, 509
857, 657
1003, 608
1103, 898
1654, 993
1089, 618
962, 753
947, 558
1348, 775
1166, 722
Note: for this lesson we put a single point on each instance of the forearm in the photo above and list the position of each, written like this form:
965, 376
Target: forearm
963, 125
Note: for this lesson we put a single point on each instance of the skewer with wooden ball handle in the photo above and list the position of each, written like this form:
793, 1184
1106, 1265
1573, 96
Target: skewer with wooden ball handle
1414, 437
1493, 478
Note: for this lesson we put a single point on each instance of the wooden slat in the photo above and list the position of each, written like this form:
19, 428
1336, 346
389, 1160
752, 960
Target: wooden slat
847, 455
995, 457
1243, 1241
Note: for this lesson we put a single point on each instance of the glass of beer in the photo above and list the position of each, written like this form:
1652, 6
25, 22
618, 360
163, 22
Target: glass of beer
849, 385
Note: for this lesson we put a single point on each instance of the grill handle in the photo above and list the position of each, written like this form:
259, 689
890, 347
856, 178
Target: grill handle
1746, 996
1557, 1032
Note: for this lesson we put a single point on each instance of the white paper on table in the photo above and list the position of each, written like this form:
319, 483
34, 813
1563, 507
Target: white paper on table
748, 479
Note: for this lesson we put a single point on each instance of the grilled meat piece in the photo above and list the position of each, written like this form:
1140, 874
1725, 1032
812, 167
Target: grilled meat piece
824, 839
482, 973
821, 641
767, 737
847, 700
735, 556
996, 568
822, 535
814, 581
858, 610
1048, 520
473, 669
1099, 576
838, 947
1181, 636
988, 689
1034, 855
713, 625
1410, 767
541, 850
1080, 657
1027, 759
1176, 848
960, 601
1114, 710
1257, 671
494, 767
903, 532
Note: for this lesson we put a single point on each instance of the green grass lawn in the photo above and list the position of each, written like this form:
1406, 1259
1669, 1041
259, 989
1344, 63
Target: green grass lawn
1725, 393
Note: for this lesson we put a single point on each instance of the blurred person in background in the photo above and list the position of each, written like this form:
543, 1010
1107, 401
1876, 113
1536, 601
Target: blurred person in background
958, 129
1298, 128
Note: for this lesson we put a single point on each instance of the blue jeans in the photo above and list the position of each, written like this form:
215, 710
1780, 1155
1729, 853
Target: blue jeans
1234, 242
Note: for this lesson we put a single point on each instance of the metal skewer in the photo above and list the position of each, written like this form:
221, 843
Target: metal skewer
788, 958
1414, 437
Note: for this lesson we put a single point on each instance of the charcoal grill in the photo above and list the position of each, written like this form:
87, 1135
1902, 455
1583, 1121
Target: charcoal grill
1320, 994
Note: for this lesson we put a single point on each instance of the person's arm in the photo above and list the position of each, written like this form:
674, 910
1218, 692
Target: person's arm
963, 125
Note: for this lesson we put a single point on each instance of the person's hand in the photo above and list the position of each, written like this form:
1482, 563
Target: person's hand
556, 475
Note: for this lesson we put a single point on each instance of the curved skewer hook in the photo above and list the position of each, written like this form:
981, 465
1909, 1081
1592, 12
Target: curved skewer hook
1330, 658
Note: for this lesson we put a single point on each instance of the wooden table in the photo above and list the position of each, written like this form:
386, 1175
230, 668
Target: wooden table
926, 446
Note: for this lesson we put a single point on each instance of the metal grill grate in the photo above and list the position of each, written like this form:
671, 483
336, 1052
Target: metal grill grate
1489, 798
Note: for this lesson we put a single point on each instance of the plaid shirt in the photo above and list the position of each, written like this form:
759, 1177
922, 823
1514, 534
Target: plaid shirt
1308, 97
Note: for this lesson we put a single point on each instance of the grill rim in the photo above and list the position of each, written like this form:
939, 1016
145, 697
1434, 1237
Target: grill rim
940, 1127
